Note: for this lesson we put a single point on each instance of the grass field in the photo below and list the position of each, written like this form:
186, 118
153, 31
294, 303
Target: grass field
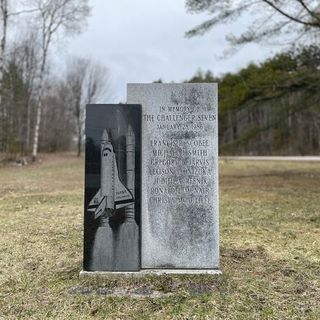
270, 249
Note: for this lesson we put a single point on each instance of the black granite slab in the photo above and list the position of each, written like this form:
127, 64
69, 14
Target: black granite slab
112, 188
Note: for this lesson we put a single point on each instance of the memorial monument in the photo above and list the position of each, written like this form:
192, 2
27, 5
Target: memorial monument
178, 216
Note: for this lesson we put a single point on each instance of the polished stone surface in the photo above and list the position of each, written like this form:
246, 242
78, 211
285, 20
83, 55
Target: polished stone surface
112, 188
179, 223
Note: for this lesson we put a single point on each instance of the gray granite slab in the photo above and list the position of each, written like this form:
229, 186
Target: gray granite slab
179, 209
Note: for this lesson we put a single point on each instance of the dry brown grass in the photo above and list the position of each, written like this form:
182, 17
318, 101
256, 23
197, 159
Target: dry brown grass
270, 249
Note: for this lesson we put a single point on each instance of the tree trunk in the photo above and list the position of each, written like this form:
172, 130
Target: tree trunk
290, 115
4, 12
79, 143
78, 117
4, 9
28, 129
39, 108
36, 130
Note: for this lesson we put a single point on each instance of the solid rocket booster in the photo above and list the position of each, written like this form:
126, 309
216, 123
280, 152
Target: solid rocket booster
127, 251
130, 149
107, 170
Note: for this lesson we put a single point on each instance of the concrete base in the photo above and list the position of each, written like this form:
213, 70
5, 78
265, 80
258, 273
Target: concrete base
146, 272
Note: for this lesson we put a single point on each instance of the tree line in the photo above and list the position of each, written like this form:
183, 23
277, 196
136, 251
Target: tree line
38, 109
266, 108
272, 107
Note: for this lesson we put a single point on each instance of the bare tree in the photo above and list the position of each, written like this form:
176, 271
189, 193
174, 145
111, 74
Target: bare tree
57, 131
296, 19
88, 83
54, 16
5, 14
25, 53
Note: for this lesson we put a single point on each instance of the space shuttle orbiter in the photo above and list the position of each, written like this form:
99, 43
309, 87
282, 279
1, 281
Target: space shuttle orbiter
112, 194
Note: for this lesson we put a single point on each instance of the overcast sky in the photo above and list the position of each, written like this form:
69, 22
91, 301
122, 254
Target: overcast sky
143, 40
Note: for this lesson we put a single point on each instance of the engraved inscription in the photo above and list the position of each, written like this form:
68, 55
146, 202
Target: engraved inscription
179, 165
179, 216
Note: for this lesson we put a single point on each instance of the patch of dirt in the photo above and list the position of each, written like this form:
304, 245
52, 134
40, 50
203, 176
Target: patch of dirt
199, 288
119, 292
244, 254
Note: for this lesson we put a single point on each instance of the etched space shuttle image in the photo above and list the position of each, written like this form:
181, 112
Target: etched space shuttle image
112, 193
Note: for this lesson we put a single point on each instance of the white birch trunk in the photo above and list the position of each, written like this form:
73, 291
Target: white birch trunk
39, 111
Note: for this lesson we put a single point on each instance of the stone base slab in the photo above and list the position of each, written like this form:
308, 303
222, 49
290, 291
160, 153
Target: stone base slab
146, 272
